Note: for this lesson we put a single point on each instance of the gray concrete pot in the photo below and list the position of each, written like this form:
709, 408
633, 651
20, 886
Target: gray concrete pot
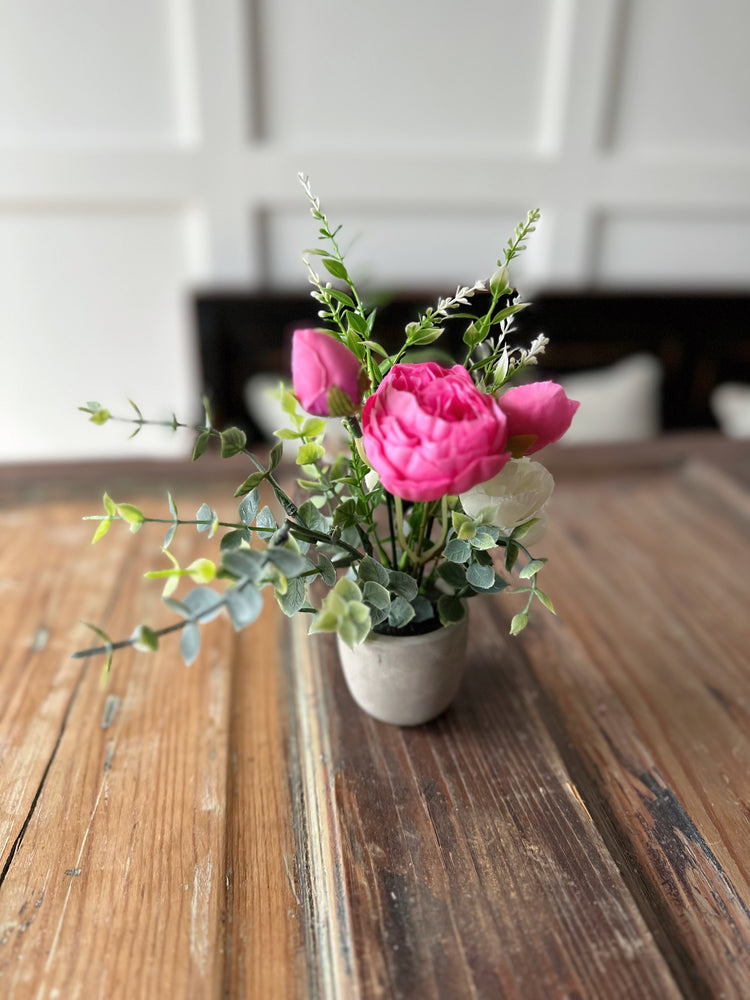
406, 680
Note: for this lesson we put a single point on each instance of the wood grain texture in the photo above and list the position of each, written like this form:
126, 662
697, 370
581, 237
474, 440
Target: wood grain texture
647, 675
576, 825
457, 859
142, 817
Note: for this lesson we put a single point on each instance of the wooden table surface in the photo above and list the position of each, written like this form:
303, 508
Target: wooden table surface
576, 825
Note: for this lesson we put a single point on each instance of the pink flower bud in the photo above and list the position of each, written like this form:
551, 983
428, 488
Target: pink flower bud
325, 374
537, 414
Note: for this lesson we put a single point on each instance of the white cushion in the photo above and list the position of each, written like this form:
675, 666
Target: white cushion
621, 402
730, 404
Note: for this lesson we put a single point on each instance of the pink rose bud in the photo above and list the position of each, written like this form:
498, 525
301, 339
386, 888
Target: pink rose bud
537, 414
325, 374
428, 431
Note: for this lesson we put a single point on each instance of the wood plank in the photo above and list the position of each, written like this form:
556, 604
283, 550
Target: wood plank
265, 935
153, 816
647, 681
457, 859
49, 573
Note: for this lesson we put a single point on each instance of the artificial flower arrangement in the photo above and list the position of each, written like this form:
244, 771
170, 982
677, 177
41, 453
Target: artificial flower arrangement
403, 523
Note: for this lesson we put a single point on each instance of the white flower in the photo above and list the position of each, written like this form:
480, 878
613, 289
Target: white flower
517, 494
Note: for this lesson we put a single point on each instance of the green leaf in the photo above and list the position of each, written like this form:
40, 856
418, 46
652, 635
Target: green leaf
145, 639
243, 562
288, 562
511, 554
335, 268
327, 572
201, 443
101, 529
109, 505
402, 584
451, 610
545, 600
480, 577
244, 604
314, 426
355, 628
457, 550
309, 453
500, 282
265, 520
483, 540
203, 603
100, 416
358, 324
422, 609
346, 590
292, 600
190, 643
253, 480
375, 594
132, 515
454, 574
532, 568
233, 441
312, 517
248, 507
208, 520
286, 434
233, 539
275, 455
371, 569
400, 613
519, 623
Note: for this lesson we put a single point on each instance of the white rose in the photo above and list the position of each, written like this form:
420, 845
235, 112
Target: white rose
517, 494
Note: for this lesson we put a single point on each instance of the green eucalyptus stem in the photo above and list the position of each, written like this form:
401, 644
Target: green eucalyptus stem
439, 545
237, 525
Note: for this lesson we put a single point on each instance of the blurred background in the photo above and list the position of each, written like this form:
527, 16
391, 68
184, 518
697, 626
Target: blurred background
151, 220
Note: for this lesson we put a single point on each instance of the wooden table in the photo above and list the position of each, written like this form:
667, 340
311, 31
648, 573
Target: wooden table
576, 825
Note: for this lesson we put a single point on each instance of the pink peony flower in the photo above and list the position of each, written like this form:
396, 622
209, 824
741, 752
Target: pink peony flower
325, 374
537, 415
428, 431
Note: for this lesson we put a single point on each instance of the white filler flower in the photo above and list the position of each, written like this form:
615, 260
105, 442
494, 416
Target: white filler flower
517, 494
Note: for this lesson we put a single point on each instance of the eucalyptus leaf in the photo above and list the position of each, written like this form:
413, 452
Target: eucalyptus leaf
451, 610
454, 574
400, 613
457, 550
376, 595
326, 570
402, 584
243, 562
371, 569
291, 601
203, 603
248, 507
480, 577
190, 643
288, 562
265, 520
234, 539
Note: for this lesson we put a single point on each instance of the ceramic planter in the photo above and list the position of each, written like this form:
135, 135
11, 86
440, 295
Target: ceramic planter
406, 680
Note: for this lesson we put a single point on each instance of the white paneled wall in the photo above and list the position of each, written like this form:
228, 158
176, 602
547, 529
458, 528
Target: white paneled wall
149, 147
